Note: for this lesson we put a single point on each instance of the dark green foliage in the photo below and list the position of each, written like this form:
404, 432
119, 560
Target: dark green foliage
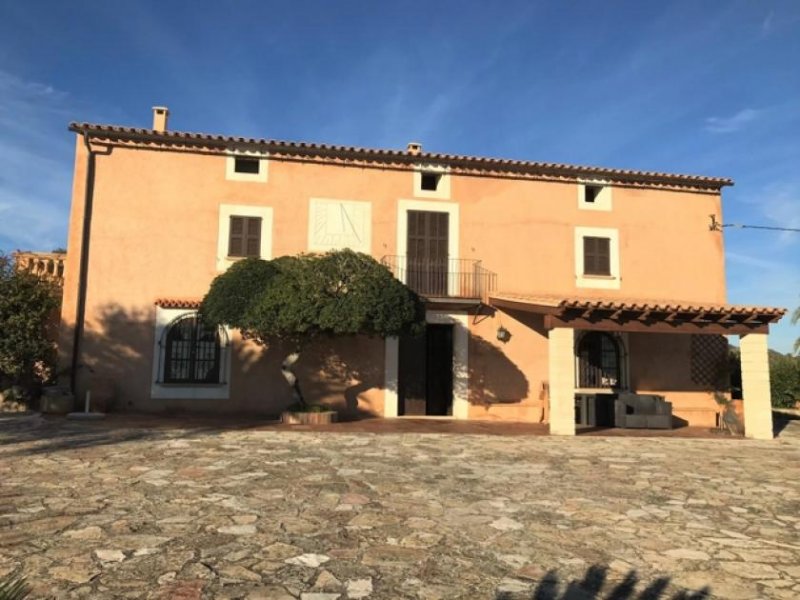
28, 317
13, 589
300, 297
784, 379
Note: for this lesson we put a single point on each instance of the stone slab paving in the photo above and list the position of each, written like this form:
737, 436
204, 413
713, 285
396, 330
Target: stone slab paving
93, 511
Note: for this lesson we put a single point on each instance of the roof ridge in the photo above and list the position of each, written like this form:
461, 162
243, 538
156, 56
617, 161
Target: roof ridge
479, 162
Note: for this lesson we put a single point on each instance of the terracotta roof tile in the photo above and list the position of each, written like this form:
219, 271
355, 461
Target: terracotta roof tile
178, 303
454, 160
774, 314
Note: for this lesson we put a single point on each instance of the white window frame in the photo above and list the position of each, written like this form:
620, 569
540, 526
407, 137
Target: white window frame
230, 166
315, 204
185, 391
602, 202
607, 282
460, 322
226, 211
453, 217
442, 191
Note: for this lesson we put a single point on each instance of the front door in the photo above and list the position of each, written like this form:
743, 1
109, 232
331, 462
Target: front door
427, 245
425, 382
439, 380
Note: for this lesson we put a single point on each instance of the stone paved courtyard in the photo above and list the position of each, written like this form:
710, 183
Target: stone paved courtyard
88, 510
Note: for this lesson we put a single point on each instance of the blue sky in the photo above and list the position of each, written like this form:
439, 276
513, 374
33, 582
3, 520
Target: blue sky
699, 87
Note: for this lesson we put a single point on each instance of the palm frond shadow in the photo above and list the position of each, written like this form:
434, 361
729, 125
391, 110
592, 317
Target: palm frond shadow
595, 585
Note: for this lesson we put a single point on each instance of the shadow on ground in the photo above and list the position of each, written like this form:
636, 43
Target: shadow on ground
595, 585
35, 434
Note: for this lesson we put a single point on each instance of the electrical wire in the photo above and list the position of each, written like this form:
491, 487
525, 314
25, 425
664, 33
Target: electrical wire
717, 226
737, 226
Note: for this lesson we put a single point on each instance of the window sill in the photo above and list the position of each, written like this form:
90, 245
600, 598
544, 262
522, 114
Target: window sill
604, 277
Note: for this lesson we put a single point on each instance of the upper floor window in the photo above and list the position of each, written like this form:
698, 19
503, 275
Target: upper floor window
244, 236
191, 352
597, 258
245, 230
594, 196
596, 255
246, 165
243, 164
431, 181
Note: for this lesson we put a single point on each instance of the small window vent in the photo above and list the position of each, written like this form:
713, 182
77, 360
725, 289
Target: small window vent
246, 165
430, 181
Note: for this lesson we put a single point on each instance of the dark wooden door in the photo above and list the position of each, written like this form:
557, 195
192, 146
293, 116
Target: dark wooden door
439, 370
427, 252
411, 381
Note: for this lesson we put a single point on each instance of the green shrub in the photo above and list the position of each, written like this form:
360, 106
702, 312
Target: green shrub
301, 298
784, 379
28, 307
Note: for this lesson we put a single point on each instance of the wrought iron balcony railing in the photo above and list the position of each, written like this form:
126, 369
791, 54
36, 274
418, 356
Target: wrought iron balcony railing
446, 278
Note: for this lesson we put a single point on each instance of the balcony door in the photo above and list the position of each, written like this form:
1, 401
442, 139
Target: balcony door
427, 252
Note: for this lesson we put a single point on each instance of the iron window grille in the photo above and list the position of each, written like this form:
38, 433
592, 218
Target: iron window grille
599, 361
191, 352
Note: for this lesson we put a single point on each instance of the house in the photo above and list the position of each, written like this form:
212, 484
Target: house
543, 282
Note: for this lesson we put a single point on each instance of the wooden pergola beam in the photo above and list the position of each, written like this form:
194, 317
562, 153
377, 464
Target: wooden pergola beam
637, 326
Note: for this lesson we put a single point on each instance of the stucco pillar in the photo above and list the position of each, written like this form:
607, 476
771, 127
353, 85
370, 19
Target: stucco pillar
392, 359
755, 386
561, 367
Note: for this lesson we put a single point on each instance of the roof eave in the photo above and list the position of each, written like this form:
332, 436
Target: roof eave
398, 156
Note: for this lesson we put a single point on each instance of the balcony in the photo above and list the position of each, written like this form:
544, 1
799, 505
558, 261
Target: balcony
47, 265
453, 278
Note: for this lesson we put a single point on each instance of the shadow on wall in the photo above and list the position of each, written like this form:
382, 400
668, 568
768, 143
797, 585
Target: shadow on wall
116, 359
493, 377
345, 373
595, 585
117, 366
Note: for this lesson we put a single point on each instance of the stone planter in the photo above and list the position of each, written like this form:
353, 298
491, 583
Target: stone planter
309, 418
56, 400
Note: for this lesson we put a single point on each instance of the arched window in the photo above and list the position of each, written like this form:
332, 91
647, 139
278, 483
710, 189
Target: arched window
192, 351
599, 361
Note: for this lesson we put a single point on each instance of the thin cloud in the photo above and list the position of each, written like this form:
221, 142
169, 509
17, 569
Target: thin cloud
35, 164
749, 260
780, 204
740, 120
766, 24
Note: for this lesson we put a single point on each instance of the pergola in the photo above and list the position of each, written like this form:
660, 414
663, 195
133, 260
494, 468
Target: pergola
562, 316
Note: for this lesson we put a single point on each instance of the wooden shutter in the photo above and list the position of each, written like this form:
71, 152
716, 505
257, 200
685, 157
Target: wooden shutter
596, 256
427, 252
244, 236
253, 236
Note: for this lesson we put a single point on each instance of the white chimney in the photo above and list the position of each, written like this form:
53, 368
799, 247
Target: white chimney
414, 148
160, 116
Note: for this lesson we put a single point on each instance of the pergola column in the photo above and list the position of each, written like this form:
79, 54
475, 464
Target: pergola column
754, 354
561, 345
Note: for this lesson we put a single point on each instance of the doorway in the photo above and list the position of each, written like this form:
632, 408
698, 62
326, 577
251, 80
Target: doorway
425, 382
